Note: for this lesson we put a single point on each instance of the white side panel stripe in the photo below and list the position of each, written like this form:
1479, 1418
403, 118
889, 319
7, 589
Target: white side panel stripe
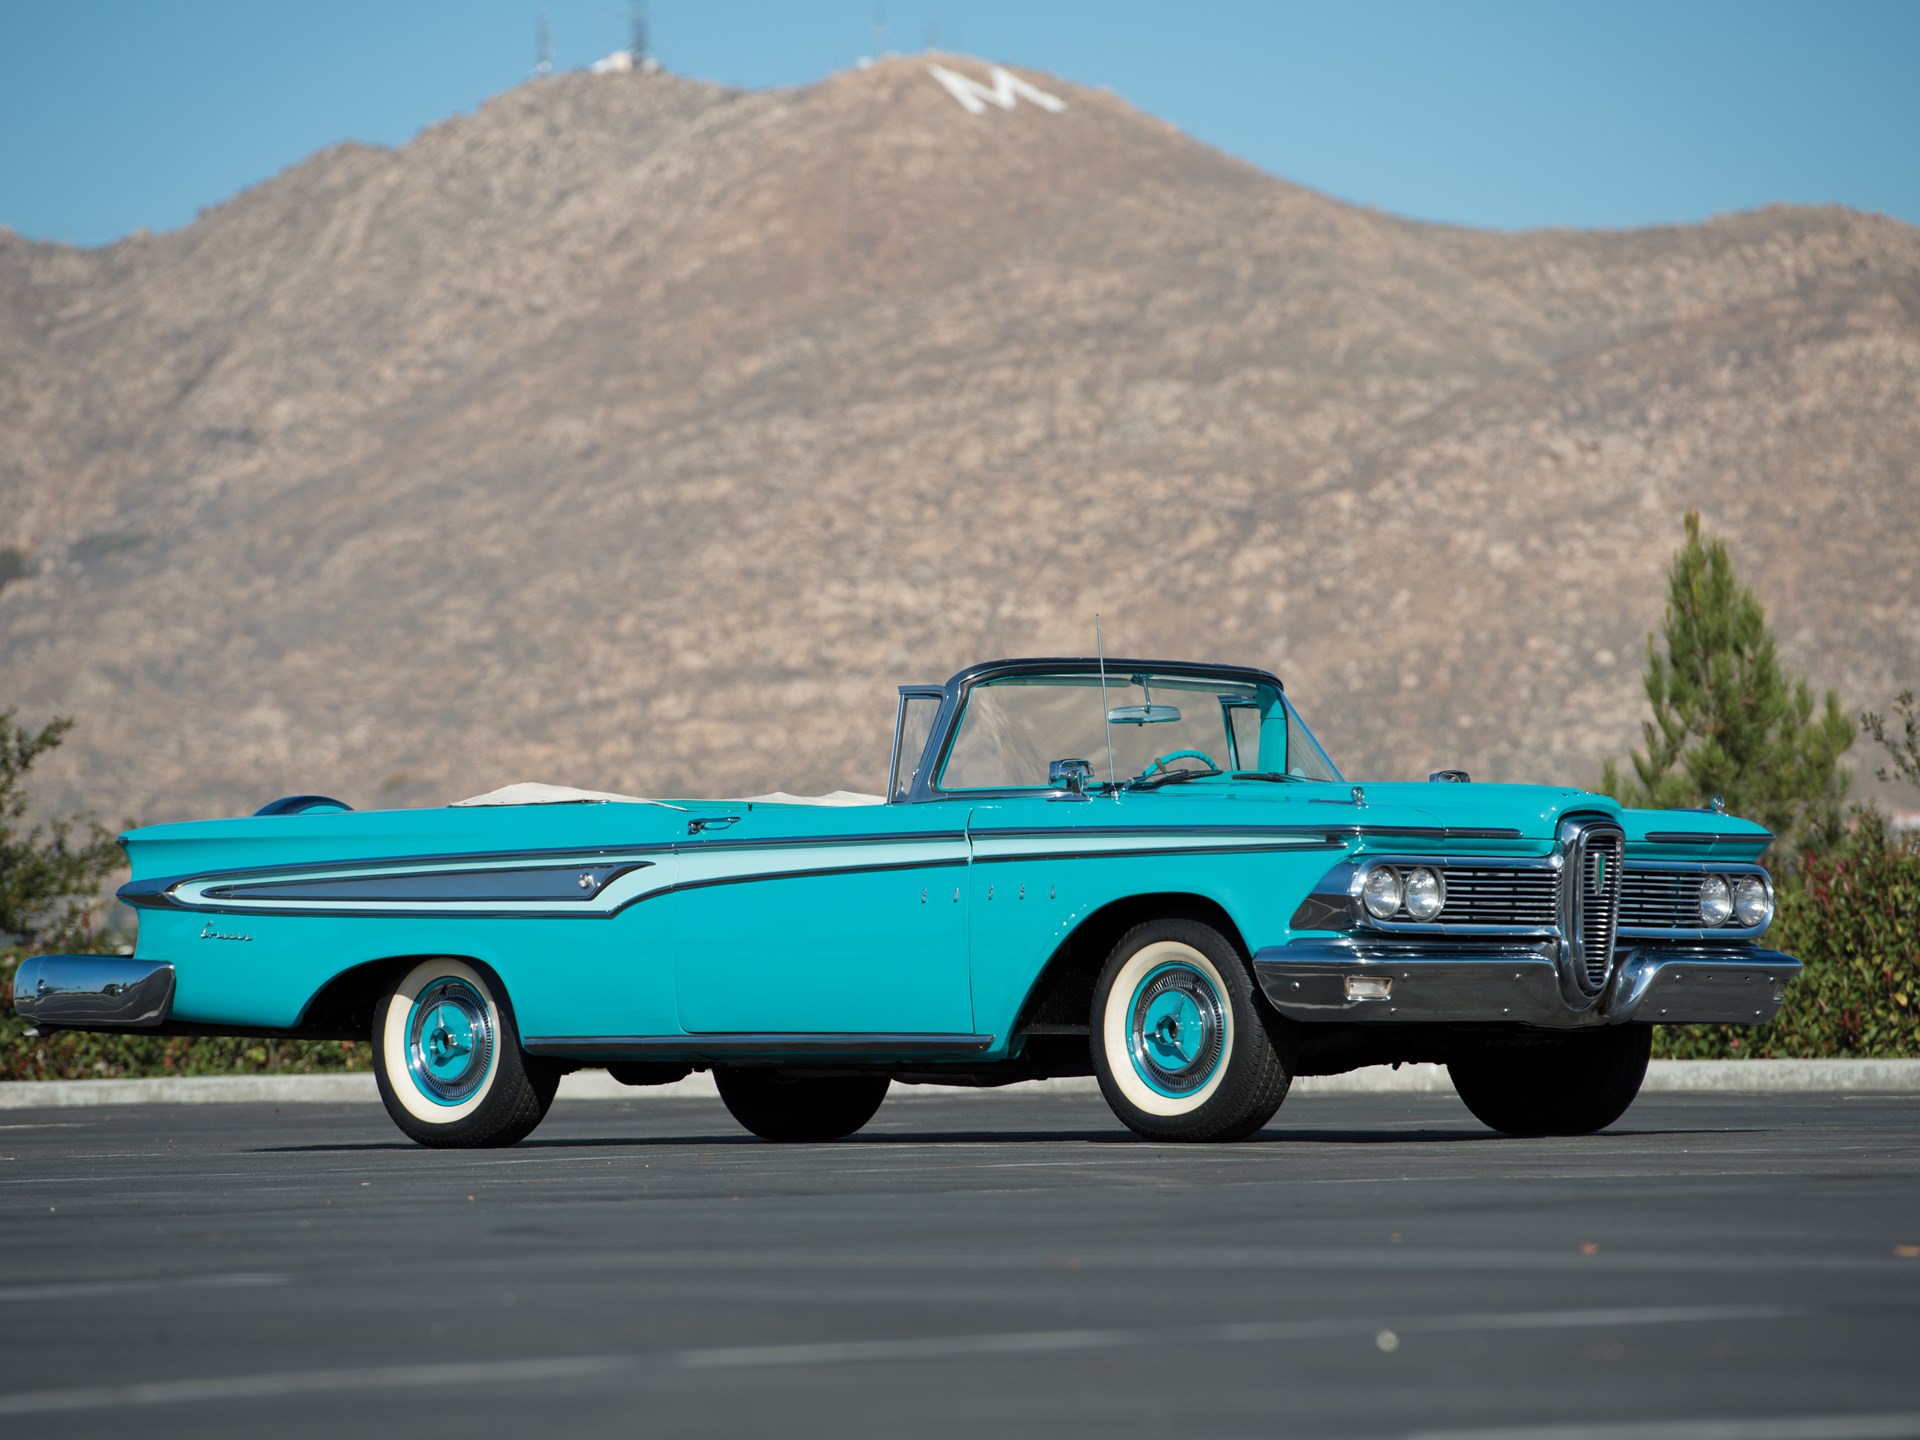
660, 871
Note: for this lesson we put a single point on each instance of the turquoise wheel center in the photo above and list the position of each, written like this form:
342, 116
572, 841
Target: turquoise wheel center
449, 1041
1177, 1029
1174, 1029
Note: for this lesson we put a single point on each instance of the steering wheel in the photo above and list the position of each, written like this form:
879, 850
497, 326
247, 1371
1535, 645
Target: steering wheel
1162, 761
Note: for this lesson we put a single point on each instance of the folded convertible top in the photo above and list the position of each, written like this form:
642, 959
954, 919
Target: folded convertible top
531, 792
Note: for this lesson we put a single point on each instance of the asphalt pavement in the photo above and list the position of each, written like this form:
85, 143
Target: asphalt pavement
1714, 1265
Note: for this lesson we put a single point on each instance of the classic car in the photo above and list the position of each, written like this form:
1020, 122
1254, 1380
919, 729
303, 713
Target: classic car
1148, 871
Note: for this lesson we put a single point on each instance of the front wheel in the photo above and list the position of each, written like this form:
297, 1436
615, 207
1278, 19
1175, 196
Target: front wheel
1572, 1085
778, 1106
449, 1065
1179, 1044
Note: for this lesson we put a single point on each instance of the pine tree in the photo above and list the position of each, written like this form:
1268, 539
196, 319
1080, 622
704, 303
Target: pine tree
1727, 720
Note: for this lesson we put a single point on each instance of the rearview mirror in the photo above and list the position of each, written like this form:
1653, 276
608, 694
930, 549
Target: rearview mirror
1143, 714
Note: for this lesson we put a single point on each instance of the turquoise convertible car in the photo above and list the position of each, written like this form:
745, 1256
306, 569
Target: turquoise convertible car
1147, 871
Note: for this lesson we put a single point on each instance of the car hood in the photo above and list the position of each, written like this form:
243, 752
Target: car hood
1533, 811
1525, 814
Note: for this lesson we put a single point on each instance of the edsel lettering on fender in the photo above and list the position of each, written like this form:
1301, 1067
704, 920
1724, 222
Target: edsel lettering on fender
1148, 871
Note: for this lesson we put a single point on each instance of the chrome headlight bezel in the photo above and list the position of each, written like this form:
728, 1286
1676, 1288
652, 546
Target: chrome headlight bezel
1381, 892
1715, 901
1430, 885
1753, 902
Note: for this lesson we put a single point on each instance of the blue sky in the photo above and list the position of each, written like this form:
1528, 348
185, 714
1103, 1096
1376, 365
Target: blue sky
118, 114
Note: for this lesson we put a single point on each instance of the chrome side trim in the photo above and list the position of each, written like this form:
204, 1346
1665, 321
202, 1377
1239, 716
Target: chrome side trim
155, 892
598, 889
1432, 832
1691, 837
1461, 984
602, 885
769, 1047
1100, 842
93, 992
1331, 831
556, 883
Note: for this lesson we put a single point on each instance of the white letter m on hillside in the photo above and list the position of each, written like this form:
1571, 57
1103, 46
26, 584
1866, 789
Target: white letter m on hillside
975, 97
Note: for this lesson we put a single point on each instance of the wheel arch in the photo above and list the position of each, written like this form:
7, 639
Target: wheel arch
1062, 993
343, 1008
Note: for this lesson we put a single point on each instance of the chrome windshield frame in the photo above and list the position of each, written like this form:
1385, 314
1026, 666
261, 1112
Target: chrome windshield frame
954, 695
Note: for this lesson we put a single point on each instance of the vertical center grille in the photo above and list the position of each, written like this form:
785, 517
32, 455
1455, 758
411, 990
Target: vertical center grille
1593, 881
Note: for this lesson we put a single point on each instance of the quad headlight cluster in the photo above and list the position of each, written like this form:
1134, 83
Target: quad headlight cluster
1745, 899
1416, 892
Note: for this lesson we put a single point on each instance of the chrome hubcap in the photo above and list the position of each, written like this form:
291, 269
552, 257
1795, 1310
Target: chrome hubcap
449, 1041
1176, 1029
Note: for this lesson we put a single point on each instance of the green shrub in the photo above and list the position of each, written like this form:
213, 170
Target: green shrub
1852, 917
72, 1055
51, 874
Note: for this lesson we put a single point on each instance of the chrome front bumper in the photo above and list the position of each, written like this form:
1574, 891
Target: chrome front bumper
92, 992
1652, 985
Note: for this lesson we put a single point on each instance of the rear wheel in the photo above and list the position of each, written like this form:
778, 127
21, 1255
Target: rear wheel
779, 1106
1572, 1085
1179, 1043
449, 1064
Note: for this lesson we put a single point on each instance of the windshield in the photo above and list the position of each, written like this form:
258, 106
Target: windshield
1013, 729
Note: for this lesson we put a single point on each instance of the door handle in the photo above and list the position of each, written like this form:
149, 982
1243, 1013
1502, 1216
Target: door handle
710, 822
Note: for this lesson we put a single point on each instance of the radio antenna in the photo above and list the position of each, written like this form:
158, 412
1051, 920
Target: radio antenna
1100, 648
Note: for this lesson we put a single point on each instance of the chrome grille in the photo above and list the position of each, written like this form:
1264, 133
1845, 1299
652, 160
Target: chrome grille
1500, 895
1660, 900
1595, 875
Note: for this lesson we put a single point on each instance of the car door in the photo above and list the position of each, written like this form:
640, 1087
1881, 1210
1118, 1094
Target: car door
819, 920
1031, 882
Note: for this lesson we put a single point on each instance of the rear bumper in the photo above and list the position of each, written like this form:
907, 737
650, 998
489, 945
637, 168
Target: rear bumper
1665, 984
93, 992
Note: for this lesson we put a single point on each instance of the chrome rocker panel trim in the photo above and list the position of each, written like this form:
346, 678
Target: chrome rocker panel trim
757, 1048
1517, 984
111, 992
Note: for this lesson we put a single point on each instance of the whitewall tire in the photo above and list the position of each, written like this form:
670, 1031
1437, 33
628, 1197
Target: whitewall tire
1180, 1045
448, 1060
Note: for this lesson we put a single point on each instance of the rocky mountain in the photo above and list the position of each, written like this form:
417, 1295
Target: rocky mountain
641, 434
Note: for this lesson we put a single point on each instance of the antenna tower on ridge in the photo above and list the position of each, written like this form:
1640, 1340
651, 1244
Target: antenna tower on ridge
544, 65
639, 41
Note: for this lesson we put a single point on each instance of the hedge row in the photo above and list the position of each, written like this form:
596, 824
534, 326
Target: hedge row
1852, 916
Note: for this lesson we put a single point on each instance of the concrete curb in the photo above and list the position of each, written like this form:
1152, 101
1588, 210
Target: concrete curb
1664, 1077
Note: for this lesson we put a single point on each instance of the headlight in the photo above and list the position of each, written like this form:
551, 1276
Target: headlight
1752, 901
1423, 894
1382, 892
1716, 902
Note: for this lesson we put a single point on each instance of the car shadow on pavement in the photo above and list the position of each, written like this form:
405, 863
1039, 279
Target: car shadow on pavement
1394, 1137
569, 1143
1117, 1139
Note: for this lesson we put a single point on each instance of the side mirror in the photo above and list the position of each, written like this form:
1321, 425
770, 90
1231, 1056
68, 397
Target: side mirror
1443, 777
1069, 775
